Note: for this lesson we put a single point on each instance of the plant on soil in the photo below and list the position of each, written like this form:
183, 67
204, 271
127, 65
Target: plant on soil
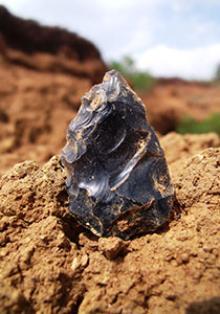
140, 80
190, 125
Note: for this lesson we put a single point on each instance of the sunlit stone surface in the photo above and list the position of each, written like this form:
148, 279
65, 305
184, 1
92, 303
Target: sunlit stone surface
117, 177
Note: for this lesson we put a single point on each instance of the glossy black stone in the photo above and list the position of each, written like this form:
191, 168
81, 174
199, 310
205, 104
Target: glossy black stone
117, 177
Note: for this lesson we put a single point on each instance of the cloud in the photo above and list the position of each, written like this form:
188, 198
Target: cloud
195, 63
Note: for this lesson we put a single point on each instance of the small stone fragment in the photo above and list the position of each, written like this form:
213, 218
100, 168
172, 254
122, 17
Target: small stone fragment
79, 261
112, 247
117, 177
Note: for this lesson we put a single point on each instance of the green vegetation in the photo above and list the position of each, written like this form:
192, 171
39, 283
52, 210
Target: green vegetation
140, 80
190, 125
217, 74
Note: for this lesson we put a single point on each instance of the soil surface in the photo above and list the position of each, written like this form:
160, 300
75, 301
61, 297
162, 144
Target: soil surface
49, 264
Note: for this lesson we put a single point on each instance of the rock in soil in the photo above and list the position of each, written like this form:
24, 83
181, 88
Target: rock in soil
117, 176
49, 264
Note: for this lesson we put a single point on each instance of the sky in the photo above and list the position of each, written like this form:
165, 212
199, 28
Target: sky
166, 37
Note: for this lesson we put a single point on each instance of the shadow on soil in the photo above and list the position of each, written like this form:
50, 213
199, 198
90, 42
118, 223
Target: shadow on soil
211, 306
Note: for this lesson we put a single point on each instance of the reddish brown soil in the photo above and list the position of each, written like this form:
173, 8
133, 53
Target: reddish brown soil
37, 105
172, 100
35, 109
43, 72
51, 265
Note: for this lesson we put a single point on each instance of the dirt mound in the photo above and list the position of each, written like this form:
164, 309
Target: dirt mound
28, 36
171, 100
35, 110
43, 72
33, 46
179, 147
50, 264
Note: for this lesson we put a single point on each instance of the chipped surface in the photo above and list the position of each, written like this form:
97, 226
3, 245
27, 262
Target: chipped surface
118, 181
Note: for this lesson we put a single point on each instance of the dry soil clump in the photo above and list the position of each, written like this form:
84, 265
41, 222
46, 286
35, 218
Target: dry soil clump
51, 265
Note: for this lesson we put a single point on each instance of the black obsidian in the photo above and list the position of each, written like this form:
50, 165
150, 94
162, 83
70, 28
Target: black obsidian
117, 177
